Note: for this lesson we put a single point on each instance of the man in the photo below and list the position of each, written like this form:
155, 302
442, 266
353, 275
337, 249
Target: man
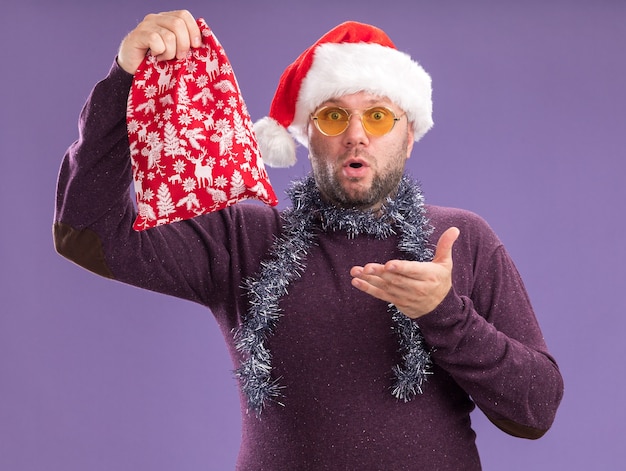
367, 324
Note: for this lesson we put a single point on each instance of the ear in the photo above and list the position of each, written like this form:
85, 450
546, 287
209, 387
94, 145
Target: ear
410, 140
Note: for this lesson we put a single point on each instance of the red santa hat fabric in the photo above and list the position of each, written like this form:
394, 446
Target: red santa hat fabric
193, 150
350, 58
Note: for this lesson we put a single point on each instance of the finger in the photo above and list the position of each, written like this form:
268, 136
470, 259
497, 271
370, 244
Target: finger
407, 298
192, 27
443, 252
166, 35
374, 277
165, 45
176, 30
371, 289
184, 26
373, 273
369, 269
393, 273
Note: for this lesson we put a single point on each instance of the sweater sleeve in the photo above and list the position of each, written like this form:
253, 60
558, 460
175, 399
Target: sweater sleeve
486, 336
202, 260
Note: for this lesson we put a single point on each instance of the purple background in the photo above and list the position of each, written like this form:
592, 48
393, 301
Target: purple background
530, 101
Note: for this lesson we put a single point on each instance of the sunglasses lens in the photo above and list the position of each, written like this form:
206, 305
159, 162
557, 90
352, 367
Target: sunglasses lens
332, 121
378, 121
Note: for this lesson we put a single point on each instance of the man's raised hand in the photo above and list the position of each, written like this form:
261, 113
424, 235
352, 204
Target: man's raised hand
415, 288
166, 35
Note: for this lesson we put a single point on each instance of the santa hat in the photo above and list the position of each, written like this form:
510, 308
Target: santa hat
350, 58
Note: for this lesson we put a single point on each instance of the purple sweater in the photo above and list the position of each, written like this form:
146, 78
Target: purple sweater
333, 347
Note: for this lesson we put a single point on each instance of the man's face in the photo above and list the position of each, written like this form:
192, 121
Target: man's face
356, 169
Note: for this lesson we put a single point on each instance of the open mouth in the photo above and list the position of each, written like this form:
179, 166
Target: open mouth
355, 168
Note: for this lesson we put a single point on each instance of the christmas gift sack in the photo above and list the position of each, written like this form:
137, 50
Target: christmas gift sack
192, 147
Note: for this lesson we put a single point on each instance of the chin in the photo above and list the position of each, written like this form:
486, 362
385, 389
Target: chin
358, 200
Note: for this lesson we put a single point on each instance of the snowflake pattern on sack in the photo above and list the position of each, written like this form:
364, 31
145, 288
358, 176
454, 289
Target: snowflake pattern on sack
192, 147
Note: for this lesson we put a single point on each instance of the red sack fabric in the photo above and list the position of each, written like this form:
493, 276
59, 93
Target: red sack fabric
192, 147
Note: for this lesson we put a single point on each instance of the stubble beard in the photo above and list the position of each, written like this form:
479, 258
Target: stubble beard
384, 183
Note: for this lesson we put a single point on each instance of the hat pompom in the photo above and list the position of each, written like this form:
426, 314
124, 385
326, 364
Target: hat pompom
278, 149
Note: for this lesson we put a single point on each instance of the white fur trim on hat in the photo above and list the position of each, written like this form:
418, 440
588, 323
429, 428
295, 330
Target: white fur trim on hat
277, 147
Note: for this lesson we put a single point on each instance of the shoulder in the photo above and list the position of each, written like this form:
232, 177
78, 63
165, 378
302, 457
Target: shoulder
442, 217
476, 239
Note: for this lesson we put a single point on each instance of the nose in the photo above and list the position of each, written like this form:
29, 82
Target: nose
355, 134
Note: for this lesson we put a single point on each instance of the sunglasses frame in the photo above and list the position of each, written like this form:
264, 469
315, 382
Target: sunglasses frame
315, 117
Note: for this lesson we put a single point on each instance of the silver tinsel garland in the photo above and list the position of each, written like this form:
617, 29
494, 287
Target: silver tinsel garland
403, 215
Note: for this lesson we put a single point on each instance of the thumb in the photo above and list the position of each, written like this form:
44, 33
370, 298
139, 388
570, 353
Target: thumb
443, 252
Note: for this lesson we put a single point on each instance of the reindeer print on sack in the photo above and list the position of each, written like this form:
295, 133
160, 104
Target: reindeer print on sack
192, 148
203, 173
